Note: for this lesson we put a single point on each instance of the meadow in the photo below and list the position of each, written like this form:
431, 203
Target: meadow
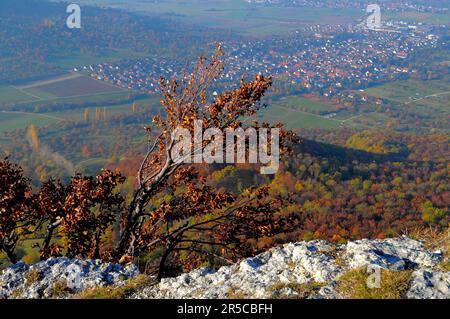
294, 118
256, 20
70, 88
76, 86
410, 91
304, 104
237, 15
425, 98
81, 59
12, 120
11, 95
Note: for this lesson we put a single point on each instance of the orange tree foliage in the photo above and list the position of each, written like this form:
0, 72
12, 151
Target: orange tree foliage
172, 201
173, 208
14, 206
81, 211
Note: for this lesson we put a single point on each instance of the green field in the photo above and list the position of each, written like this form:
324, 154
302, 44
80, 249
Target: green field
301, 103
10, 98
35, 95
422, 97
368, 120
301, 112
12, 95
77, 114
21, 120
77, 60
256, 20
16, 120
297, 119
411, 16
409, 91
236, 15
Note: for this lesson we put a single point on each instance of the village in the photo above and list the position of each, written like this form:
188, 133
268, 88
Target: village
386, 4
318, 59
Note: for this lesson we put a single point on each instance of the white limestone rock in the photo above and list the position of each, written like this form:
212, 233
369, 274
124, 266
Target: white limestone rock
277, 272
427, 284
282, 272
393, 254
74, 275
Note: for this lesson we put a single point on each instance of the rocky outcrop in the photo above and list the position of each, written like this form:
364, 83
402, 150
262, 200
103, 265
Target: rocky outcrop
296, 270
311, 270
427, 284
60, 277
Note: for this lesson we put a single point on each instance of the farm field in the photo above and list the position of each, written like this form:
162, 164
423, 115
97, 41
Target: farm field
304, 104
368, 120
71, 85
18, 120
255, 20
237, 15
74, 88
21, 120
112, 110
409, 91
297, 119
422, 97
77, 86
11, 95
437, 18
298, 111
77, 60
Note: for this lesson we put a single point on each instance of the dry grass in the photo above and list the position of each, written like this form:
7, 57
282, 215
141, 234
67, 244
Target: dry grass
304, 290
122, 292
334, 253
433, 240
445, 265
354, 284
235, 294
61, 289
32, 276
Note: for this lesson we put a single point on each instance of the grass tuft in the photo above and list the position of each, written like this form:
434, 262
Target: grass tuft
304, 290
32, 276
393, 285
122, 292
61, 289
